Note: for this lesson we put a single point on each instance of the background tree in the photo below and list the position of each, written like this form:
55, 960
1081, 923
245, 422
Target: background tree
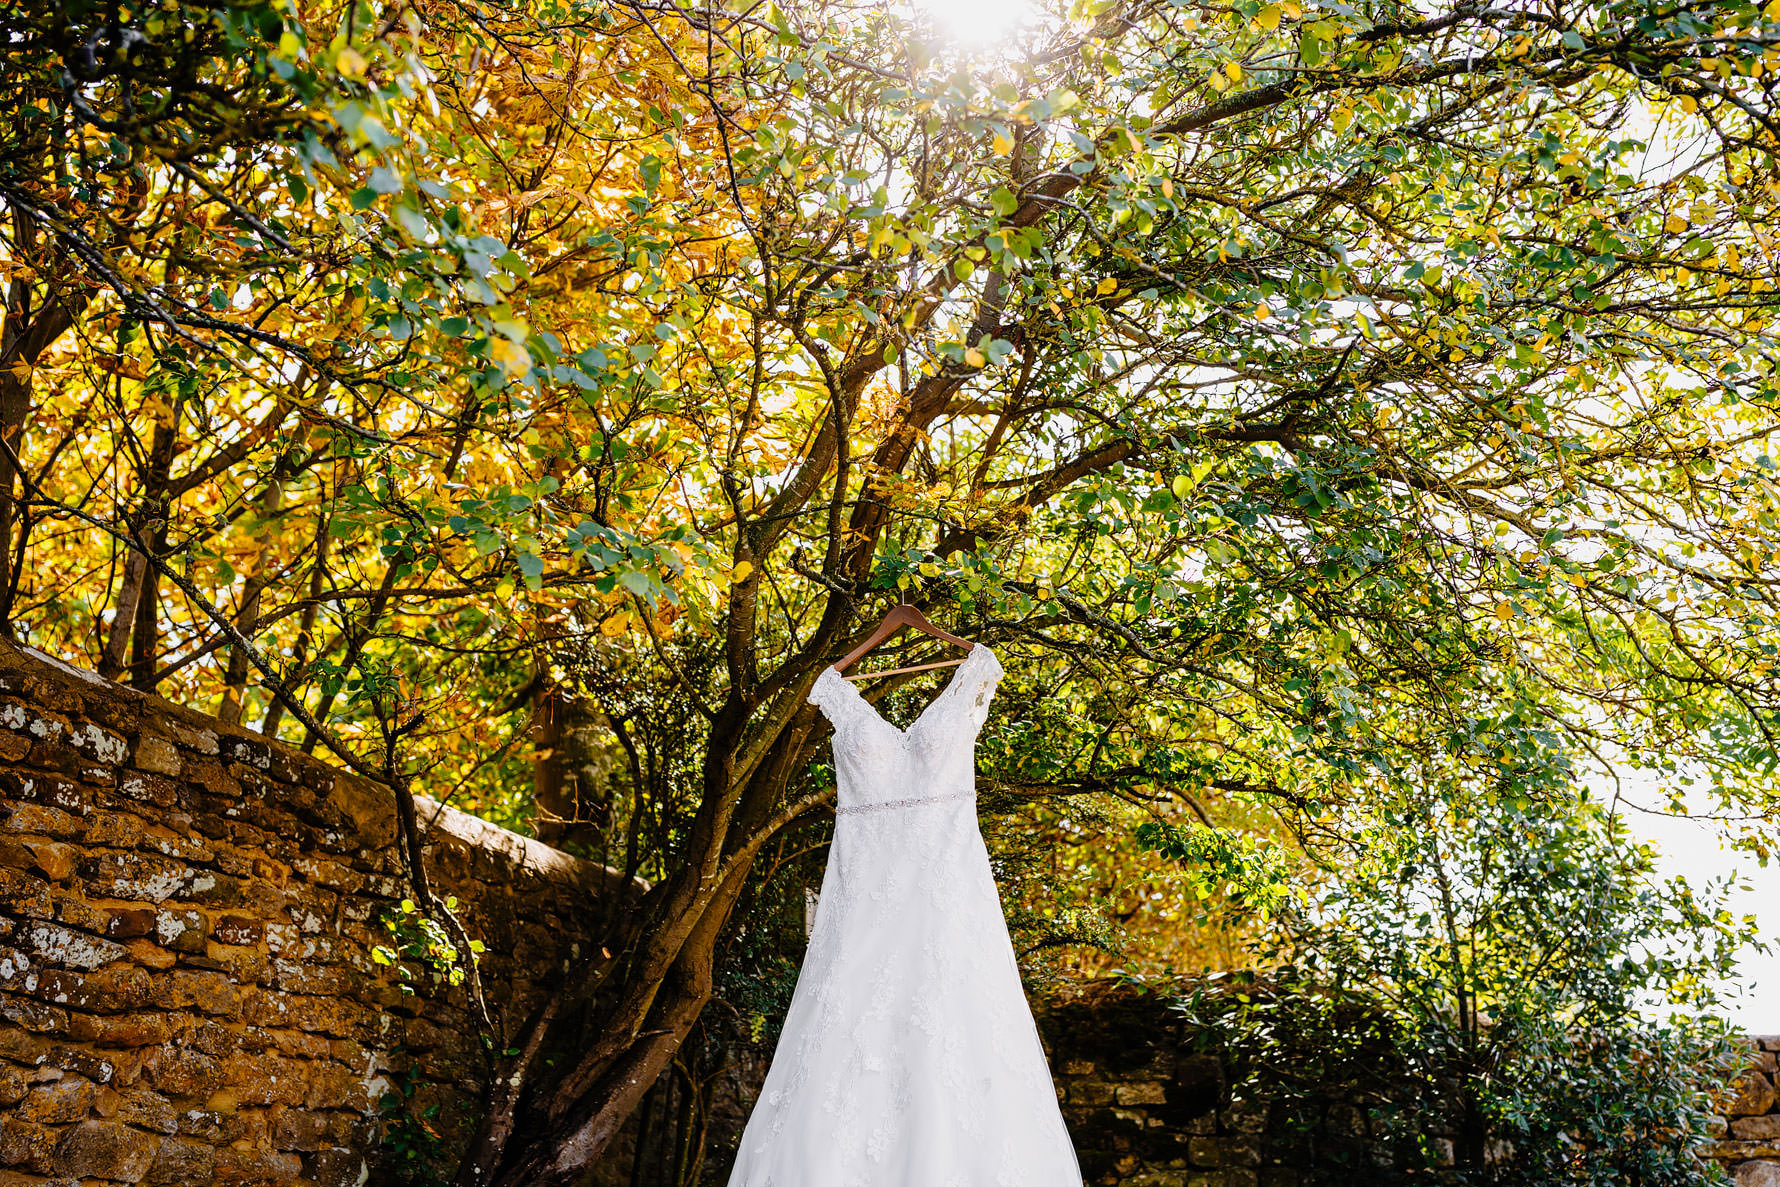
1293, 393
1500, 992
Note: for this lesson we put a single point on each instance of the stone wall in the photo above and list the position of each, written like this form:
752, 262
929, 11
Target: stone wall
187, 917
1751, 1145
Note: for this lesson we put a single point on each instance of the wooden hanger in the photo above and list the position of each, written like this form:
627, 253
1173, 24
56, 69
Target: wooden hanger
899, 617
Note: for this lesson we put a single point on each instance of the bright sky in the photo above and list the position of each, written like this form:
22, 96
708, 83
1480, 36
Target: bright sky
1691, 848
976, 24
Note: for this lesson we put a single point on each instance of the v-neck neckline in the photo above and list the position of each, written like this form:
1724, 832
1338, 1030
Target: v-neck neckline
951, 683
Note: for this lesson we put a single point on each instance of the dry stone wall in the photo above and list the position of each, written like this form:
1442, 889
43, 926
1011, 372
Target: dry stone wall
1751, 1145
187, 917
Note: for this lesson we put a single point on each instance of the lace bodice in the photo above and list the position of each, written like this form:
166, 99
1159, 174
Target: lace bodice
877, 764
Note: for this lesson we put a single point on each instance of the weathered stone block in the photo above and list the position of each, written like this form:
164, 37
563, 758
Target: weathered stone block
1141, 1094
251, 751
266, 1079
35, 787
295, 1129
24, 895
122, 1030
55, 860
146, 1110
58, 1102
1090, 1092
213, 993
136, 877
26, 1144
1755, 1094
78, 913
180, 928
180, 1162
34, 1016
212, 777
1761, 1173
158, 754
149, 787
259, 1167
332, 1086
106, 1150
182, 1072
118, 829
115, 988
43, 820
150, 955
198, 738
340, 1167
238, 929
13, 1085
98, 743
54, 944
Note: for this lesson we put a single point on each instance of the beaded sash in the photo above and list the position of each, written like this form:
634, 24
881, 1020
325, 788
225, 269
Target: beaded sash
886, 805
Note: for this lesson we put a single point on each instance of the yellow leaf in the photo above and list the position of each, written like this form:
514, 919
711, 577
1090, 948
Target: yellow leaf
512, 358
1002, 145
1106, 286
974, 357
1263, 311
350, 63
1343, 119
1234, 70
1269, 17
1675, 224
741, 571
1504, 610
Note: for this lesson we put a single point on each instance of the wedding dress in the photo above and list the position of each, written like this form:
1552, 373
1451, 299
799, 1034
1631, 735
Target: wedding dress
908, 1057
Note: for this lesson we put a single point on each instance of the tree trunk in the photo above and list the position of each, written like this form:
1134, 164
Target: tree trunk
623, 1019
34, 320
145, 636
151, 517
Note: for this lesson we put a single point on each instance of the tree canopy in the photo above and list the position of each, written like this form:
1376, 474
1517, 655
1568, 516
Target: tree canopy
524, 401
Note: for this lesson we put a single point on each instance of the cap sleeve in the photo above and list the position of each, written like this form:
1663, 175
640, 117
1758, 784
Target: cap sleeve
826, 693
986, 679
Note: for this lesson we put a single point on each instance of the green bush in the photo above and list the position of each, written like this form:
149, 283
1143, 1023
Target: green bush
1487, 992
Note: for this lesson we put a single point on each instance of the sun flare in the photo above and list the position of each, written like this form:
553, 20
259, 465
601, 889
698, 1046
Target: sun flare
977, 23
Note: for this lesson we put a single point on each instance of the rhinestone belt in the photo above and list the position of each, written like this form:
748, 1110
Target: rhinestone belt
886, 805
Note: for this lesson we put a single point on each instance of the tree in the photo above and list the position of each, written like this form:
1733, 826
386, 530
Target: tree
1503, 990
1296, 392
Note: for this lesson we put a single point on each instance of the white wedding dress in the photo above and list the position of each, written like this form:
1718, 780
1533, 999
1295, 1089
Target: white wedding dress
909, 1057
